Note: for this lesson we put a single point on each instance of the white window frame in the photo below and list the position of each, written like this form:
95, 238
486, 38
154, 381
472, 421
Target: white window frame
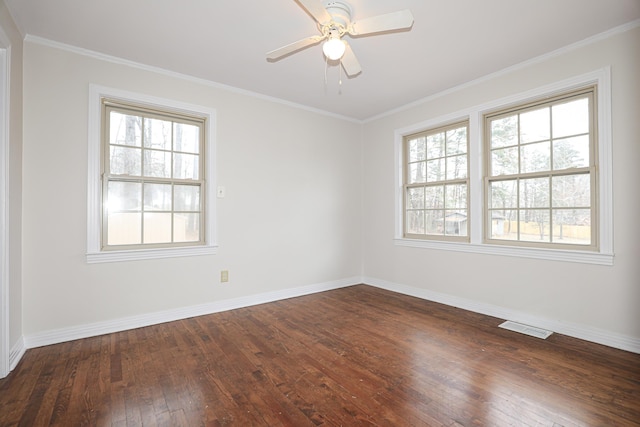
94, 190
603, 256
441, 183
550, 174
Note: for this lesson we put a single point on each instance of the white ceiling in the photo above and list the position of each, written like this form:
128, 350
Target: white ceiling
451, 42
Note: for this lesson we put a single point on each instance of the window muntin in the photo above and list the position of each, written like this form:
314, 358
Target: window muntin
153, 178
541, 179
436, 183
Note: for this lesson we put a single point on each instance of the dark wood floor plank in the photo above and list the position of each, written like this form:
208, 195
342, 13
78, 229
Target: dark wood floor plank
358, 356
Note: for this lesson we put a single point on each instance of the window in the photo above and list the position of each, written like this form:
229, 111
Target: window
436, 183
150, 178
541, 180
152, 181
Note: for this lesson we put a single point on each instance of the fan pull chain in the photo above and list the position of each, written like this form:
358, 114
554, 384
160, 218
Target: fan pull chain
326, 80
340, 78
326, 67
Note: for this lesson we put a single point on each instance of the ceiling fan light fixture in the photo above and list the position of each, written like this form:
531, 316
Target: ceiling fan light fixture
333, 18
333, 48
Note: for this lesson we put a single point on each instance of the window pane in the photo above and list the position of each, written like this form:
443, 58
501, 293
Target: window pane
435, 159
455, 223
540, 172
535, 225
435, 170
435, 145
125, 161
125, 129
504, 161
434, 197
457, 141
435, 222
534, 193
150, 160
535, 157
415, 222
457, 167
124, 228
504, 132
572, 191
157, 134
157, 228
503, 224
186, 198
503, 194
124, 196
417, 172
186, 227
157, 163
456, 196
417, 150
157, 197
571, 153
535, 125
186, 166
571, 118
415, 198
187, 138
572, 226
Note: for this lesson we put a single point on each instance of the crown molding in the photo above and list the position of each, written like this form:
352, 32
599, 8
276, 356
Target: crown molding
137, 65
522, 65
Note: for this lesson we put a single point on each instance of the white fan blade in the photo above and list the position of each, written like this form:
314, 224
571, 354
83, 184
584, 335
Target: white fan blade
293, 47
316, 10
377, 24
350, 62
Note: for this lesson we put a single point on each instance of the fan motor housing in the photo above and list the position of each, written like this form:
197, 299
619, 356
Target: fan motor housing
340, 13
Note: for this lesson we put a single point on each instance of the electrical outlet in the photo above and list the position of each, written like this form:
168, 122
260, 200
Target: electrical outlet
224, 276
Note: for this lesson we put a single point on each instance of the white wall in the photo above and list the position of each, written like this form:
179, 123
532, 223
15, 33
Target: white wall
310, 199
290, 218
602, 299
14, 234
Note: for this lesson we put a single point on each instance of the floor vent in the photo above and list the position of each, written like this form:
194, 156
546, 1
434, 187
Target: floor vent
525, 329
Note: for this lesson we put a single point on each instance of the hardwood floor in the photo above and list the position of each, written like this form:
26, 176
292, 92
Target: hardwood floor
348, 357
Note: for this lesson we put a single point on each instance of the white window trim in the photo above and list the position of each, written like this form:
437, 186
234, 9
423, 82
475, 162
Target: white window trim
604, 256
94, 189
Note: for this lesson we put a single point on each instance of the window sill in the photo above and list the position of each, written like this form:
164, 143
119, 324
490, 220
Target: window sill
141, 254
545, 254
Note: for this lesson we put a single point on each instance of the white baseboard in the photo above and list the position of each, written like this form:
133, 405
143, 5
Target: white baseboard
16, 353
100, 328
582, 332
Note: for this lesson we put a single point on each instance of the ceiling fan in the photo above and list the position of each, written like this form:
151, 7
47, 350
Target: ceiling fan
334, 21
